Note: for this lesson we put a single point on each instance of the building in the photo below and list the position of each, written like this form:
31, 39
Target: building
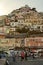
34, 42
19, 18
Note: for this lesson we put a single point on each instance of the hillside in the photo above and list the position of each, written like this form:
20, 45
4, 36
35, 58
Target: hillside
24, 14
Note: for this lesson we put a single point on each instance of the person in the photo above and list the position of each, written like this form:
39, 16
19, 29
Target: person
0, 56
25, 55
33, 56
22, 55
7, 62
13, 56
17, 55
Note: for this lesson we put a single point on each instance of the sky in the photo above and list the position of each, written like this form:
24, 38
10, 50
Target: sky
7, 6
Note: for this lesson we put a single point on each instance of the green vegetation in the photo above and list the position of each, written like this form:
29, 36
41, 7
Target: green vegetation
22, 30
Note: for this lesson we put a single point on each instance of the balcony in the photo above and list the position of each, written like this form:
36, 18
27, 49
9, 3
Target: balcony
16, 35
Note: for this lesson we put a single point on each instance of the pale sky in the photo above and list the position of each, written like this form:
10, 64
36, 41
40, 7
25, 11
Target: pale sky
7, 6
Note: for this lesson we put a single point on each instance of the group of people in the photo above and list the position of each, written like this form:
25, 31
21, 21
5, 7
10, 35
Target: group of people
23, 55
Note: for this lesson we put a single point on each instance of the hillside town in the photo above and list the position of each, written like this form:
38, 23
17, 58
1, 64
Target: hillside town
22, 28
21, 32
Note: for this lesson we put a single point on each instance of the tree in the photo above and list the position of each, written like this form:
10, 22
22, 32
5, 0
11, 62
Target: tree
22, 30
34, 9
